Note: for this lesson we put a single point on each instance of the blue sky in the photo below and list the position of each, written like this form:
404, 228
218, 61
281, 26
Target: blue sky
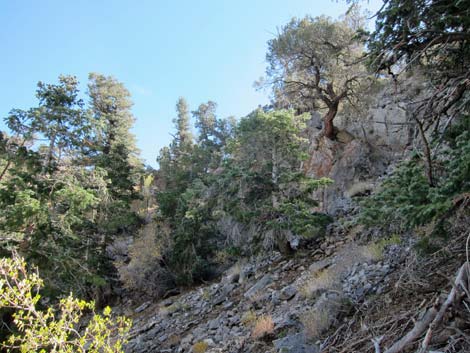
202, 50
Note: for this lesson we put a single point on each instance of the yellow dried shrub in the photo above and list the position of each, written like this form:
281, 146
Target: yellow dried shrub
200, 347
264, 326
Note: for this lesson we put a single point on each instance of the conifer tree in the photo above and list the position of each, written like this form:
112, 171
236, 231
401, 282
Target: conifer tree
184, 137
315, 64
114, 144
47, 199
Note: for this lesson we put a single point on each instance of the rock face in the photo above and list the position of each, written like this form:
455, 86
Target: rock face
366, 144
353, 167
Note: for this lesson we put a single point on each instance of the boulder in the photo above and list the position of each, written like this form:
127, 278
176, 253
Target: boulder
295, 343
287, 292
259, 286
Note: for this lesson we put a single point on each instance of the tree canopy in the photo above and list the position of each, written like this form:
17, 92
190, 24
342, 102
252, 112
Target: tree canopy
315, 64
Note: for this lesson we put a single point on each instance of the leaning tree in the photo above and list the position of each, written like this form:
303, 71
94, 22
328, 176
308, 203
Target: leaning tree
316, 64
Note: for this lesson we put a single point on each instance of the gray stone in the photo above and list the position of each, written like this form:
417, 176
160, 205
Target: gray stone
210, 342
275, 298
188, 339
288, 292
260, 285
287, 266
320, 265
295, 343
283, 322
223, 293
330, 304
245, 274
167, 302
143, 307
294, 243
235, 320
162, 338
233, 278
219, 299
214, 324
227, 305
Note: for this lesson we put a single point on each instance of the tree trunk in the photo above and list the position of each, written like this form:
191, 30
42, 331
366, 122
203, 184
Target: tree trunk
5, 169
50, 153
328, 127
274, 176
427, 154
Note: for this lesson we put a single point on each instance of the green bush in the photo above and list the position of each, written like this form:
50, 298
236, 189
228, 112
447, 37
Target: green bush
406, 199
54, 330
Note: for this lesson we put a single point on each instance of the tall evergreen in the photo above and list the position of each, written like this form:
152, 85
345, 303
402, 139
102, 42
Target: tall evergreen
114, 144
183, 137
47, 199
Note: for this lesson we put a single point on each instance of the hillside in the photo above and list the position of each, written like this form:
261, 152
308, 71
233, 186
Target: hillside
333, 219
341, 295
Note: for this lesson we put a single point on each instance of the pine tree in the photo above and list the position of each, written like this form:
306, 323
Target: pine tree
59, 118
46, 198
114, 144
184, 137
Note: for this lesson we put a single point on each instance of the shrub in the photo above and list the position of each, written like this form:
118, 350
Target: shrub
143, 273
54, 330
319, 280
263, 327
314, 322
406, 199
248, 318
200, 347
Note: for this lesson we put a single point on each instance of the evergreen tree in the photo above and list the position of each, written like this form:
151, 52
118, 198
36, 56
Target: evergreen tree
46, 199
114, 144
213, 134
59, 119
176, 162
314, 64
266, 184
184, 137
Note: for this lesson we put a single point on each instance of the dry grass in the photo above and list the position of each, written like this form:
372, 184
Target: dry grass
144, 253
173, 340
248, 318
359, 188
319, 280
315, 323
264, 326
221, 257
200, 347
236, 269
206, 294
375, 251
173, 308
144, 275
372, 252
258, 297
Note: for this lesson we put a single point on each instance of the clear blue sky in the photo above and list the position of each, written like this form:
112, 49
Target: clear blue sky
207, 49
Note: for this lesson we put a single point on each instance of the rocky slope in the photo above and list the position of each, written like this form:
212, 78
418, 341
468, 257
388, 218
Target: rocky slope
271, 304
352, 291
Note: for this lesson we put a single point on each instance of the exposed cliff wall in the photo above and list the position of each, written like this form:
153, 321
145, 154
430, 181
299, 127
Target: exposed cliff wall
366, 144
